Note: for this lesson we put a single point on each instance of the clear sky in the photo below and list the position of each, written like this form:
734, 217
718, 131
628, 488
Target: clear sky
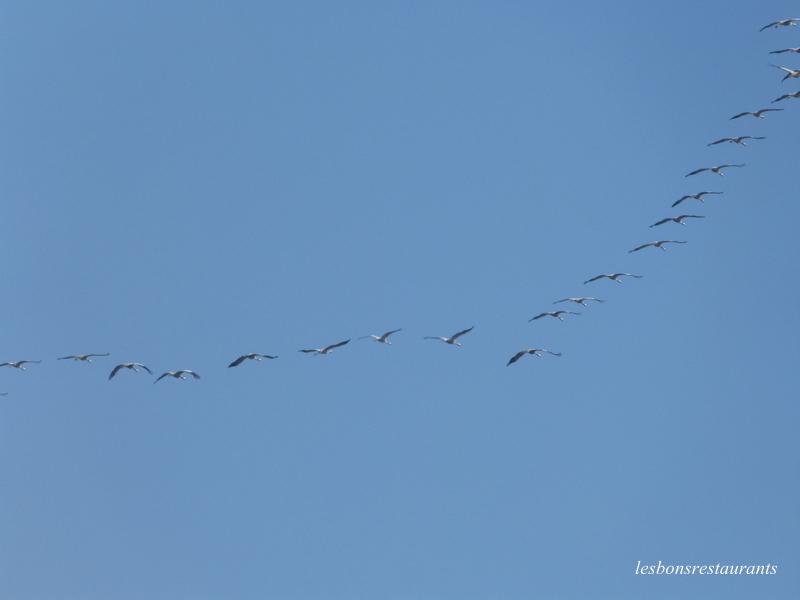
183, 182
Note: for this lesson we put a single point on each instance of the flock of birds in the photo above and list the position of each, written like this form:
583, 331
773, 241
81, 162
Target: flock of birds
453, 340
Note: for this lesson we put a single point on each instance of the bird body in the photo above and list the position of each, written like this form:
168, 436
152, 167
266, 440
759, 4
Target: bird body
381, 339
659, 244
252, 356
717, 170
452, 340
679, 220
537, 352
177, 375
616, 277
699, 196
131, 366
82, 357
20, 364
556, 314
324, 350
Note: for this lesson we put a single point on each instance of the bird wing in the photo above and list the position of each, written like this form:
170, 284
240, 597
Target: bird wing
114, 371
595, 278
336, 345
661, 222
144, 367
103, 354
68, 357
189, 372
455, 336
307, 350
160, 377
642, 247
270, 356
553, 353
539, 316
392, 332
721, 140
516, 357
696, 171
770, 25
744, 114
691, 217
238, 361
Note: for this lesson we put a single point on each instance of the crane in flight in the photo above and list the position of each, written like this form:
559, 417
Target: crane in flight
381, 339
453, 339
252, 356
324, 349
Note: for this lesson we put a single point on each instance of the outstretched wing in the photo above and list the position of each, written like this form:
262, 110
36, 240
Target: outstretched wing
144, 367
160, 377
238, 361
114, 371
642, 247
455, 336
516, 357
595, 278
392, 332
336, 345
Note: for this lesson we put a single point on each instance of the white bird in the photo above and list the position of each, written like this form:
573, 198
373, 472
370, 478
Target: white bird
794, 50
324, 350
453, 339
759, 114
612, 276
717, 170
557, 314
20, 364
131, 365
698, 196
790, 73
781, 23
537, 352
582, 300
381, 339
82, 357
659, 244
679, 220
252, 356
786, 97
737, 140
177, 375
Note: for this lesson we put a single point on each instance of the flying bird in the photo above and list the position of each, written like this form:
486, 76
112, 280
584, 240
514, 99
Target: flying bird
781, 23
786, 97
20, 364
251, 356
582, 300
381, 339
557, 314
794, 50
759, 114
790, 73
325, 350
717, 170
82, 357
679, 220
453, 339
659, 245
131, 365
698, 196
737, 140
537, 352
613, 277
177, 375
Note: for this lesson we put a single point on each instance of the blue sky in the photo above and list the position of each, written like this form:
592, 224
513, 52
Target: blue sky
184, 182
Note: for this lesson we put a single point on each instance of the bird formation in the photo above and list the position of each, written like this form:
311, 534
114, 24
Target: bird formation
584, 301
